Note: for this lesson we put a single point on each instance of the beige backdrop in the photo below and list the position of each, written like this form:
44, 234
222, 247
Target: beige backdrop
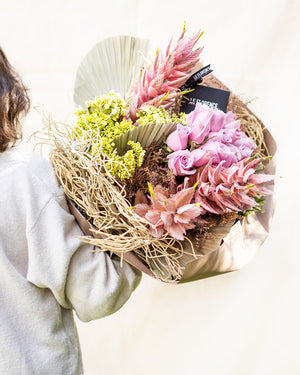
243, 323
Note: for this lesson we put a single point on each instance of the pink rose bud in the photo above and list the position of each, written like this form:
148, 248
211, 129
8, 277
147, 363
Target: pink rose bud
232, 124
219, 151
199, 121
201, 157
178, 139
229, 117
217, 120
180, 163
236, 154
245, 151
231, 132
245, 141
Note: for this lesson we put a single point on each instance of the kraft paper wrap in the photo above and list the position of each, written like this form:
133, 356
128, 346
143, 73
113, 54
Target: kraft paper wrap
245, 237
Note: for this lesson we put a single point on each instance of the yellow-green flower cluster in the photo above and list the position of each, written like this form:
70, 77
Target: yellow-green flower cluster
124, 166
104, 116
149, 114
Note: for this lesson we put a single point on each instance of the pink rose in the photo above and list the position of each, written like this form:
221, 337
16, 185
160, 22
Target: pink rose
178, 139
199, 121
245, 151
219, 151
201, 157
227, 136
245, 141
230, 117
231, 131
216, 136
217, 120
232, 124
180, 162
233, 134
205, 120
221, 120
236, 154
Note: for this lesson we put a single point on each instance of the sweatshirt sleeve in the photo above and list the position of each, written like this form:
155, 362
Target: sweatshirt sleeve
91, 283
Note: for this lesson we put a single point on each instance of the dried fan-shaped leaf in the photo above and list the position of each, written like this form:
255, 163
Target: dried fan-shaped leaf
112, 64
145, 134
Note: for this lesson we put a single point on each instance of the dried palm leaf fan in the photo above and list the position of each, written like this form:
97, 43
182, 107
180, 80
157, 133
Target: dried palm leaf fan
112, 64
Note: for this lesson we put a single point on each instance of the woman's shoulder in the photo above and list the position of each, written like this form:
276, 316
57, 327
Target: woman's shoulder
32, 167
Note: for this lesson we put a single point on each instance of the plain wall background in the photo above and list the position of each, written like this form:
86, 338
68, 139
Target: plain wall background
246, 322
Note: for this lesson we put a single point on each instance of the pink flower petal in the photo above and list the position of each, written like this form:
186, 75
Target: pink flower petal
157, 232
186, 213
153, 216
178, 139
208, 205
167, 218
181, 162
183, 197
141, 209
260, 178
177, 231
201, 157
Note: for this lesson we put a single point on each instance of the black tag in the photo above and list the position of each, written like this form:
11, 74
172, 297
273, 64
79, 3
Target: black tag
196, 78
214, 98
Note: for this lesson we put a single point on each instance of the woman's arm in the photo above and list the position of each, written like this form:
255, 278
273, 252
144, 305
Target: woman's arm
91, 283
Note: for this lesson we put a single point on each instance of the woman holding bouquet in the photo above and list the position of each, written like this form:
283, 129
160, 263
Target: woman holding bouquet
46, 272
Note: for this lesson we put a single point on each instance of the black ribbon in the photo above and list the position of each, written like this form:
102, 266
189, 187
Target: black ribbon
196, 78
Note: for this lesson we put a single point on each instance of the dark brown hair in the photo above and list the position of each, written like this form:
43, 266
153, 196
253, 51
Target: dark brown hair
14, 102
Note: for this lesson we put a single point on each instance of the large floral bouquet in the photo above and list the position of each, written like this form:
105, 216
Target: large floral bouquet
161, 188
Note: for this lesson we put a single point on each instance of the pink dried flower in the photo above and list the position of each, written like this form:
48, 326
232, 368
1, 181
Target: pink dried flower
173, 214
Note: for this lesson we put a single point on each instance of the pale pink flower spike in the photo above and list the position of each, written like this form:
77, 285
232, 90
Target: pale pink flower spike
158, 85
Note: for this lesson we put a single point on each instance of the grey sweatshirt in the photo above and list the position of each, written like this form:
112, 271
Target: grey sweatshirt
46, 273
